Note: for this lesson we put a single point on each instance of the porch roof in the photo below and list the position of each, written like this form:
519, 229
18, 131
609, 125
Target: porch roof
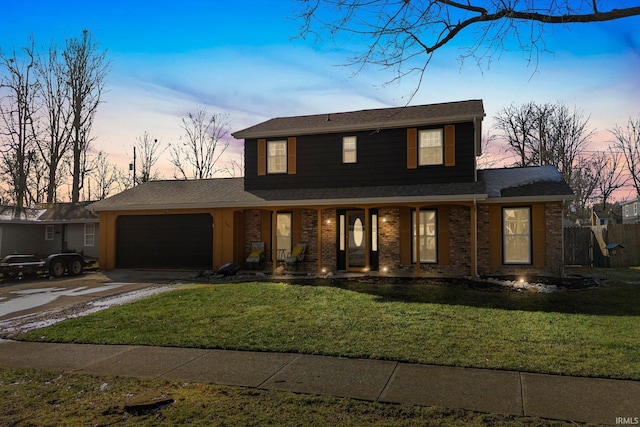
230, 192
525, 183
535, 184
382, 118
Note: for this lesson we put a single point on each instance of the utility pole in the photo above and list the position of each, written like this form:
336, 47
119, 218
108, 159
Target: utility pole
132, 166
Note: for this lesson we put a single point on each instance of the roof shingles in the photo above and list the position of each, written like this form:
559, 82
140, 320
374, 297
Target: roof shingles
229, 192
365, 119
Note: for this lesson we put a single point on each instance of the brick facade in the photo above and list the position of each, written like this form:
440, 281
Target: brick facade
554, 236
329, 238
309, 235
460, 250
389, 241
553, 250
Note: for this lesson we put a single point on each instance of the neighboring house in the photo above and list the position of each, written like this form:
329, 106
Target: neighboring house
631, 211
610, 214
49, 228
392, 190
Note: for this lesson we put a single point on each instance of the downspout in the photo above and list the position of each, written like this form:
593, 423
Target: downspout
562, 238
475, 231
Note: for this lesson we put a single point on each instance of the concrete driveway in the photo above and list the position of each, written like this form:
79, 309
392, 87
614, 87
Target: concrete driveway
26, 304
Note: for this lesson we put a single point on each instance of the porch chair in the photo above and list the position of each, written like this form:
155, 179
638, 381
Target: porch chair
256, 257
297, 256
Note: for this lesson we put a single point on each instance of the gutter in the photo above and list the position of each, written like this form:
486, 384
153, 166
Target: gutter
525, 199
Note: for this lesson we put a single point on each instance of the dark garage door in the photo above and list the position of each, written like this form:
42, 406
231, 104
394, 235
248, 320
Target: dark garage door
164, 241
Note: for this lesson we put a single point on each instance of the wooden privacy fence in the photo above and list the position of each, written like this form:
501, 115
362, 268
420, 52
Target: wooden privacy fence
577, 246
627, 235
582, 248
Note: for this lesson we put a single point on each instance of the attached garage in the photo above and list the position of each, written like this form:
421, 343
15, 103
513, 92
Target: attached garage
165, 241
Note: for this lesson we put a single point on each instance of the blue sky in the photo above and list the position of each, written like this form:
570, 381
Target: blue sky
238, 57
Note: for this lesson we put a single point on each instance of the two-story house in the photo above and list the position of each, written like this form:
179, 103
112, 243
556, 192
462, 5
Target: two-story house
631, 211
392, 190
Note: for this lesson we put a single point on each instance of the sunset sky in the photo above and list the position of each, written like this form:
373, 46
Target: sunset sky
240, 58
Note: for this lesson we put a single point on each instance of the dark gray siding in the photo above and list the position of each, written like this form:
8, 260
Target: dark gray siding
382, 160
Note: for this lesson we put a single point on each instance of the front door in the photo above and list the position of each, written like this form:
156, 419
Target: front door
356, 240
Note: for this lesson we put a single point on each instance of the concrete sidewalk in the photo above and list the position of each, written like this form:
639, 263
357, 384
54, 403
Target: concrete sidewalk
515, 393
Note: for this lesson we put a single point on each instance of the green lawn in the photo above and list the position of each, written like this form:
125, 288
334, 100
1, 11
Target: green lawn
589, 333
40, 398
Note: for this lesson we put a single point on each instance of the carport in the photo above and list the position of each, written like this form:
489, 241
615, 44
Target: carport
165, 241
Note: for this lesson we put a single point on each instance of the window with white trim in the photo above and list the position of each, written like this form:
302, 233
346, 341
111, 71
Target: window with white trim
349, 149
635, 209
283, 234
430, 150
516, 235
626, 210
49, 232
277, 157
426, 234
89, 234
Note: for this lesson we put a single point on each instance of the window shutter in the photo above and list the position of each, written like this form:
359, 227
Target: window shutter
405, 236
265, 228
450, 145
296, 227
443, 236
291, 155
538, 234
495, 235
262, 157
412, 148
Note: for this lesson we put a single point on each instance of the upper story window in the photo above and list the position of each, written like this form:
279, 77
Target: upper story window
349, 149
277, 157
430, 147
635, 209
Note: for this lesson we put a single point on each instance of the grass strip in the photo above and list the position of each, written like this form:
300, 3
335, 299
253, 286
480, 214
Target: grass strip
585, 333
41, 398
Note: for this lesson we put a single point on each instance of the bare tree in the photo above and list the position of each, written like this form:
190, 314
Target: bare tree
149, 150
396, 32
18, 87
552, 134
37, 181
627, 140
488, 159
54, 93
611, 173
204, 141
585, 178
104, 174
518, 126
547, 134
85, 73
235, 168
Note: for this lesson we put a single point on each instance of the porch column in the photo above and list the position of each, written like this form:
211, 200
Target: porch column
274, 243
367, 241
416, 237
319, 241
474, 238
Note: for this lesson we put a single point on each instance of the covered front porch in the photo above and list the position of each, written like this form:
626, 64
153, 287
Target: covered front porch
417, 240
